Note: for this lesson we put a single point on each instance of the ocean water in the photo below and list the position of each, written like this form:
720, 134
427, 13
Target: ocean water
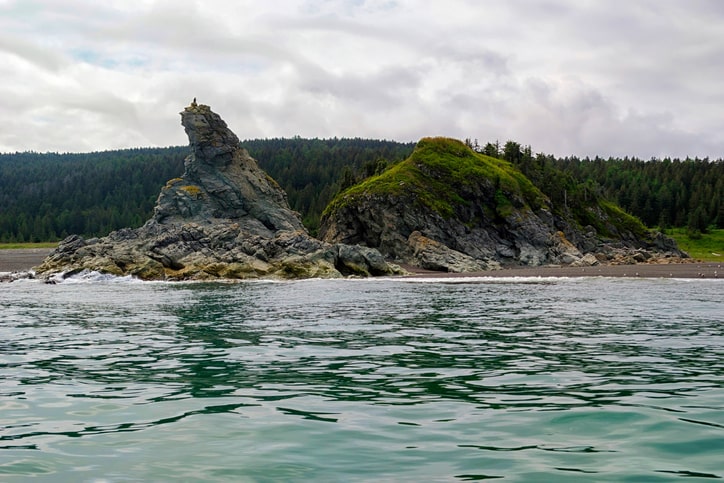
540, 380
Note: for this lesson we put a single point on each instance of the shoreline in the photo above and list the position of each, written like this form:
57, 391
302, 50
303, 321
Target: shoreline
689, 269
23, 259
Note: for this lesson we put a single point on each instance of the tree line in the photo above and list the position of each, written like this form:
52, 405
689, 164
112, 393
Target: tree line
664, 193
47, 196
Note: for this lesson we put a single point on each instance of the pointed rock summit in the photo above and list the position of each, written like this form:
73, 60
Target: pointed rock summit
223, 218
222, 182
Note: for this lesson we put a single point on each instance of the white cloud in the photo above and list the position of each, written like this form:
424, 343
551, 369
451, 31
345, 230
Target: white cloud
565, 76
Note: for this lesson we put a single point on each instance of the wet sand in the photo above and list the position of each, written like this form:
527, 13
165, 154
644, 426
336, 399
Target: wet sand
23, 259
644, 270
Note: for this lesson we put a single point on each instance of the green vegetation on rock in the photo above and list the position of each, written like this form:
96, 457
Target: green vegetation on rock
448, 207
623, 220
437, 174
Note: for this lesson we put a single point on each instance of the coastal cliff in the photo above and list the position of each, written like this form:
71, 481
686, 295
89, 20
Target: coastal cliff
223, 218
448, 208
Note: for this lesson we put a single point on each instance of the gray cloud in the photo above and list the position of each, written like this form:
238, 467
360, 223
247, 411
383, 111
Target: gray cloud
32, 53
567, 77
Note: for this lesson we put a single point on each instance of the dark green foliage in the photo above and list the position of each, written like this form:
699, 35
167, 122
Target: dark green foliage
664, 193
348, 179
567, 195
313, 171
48, 196
45, 197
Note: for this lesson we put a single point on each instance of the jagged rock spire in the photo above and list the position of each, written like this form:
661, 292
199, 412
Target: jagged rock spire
209, 136
222, 181
223, 218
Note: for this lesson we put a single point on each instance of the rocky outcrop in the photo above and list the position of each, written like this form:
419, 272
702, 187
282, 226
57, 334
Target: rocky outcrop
433, 255
224, 218
447, 208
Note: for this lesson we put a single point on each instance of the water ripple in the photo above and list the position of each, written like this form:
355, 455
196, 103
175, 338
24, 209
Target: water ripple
363, 380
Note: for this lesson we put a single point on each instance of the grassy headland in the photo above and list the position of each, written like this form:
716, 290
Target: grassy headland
438, 171
706, 246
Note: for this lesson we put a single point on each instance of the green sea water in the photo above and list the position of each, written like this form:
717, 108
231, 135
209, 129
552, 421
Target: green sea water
531, 380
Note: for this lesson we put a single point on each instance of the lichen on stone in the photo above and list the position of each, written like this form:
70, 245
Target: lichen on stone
192, 190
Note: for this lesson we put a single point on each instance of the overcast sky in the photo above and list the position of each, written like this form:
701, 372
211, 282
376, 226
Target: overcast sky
568, 77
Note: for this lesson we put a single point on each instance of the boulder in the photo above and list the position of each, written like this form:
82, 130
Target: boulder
433, 255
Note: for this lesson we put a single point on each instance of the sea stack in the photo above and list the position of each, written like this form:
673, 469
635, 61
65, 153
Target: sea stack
224, 218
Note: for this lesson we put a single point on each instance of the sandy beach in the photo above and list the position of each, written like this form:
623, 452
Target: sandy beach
693, 269
23, 259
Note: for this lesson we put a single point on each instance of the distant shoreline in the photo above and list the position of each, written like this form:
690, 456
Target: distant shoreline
693, 269
23, 259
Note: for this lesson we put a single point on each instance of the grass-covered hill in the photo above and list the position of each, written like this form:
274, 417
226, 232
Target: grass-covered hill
480, 207
440, 173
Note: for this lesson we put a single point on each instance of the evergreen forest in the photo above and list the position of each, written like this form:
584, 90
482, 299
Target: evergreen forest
47, 196
667, 193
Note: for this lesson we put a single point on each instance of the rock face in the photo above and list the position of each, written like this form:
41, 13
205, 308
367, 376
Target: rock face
224, 218
447, 208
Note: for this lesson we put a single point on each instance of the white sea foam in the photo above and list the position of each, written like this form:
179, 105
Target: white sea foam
462, 280
88, 276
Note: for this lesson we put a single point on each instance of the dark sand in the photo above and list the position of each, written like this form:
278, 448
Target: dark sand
23, 259
642, 270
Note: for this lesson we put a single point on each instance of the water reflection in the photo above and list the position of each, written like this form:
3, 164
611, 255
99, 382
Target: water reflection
469, 343
482, 348
478, 369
